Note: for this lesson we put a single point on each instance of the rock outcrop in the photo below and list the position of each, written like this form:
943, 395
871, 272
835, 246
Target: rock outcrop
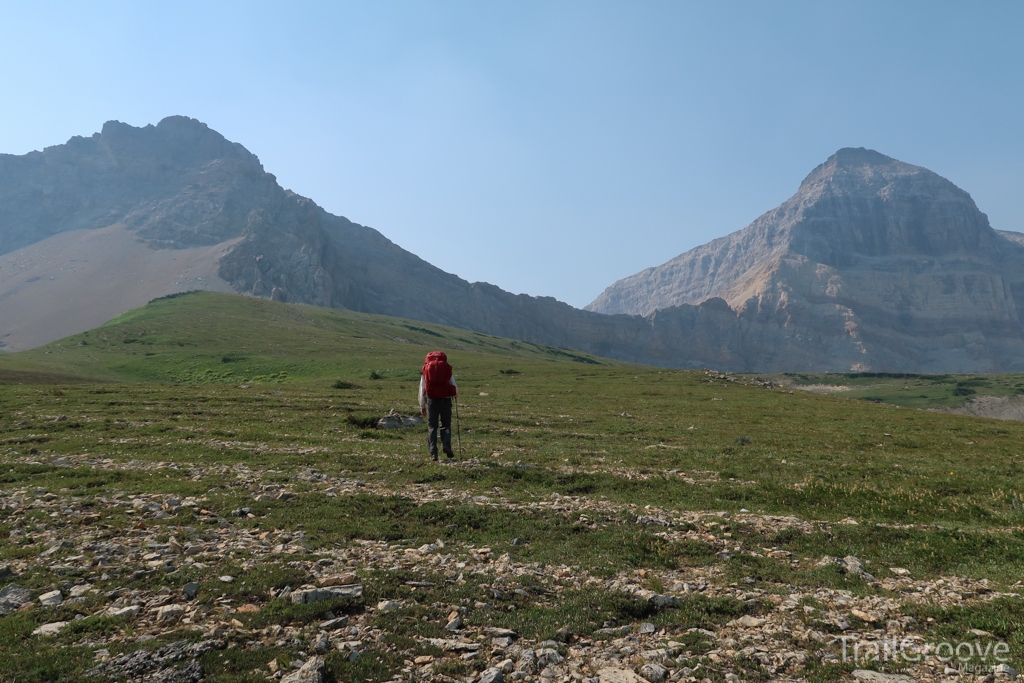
883, 265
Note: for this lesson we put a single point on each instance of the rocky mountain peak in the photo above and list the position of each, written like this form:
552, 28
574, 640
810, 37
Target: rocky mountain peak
858, 170
863, 203
860, 156
178, 142
877, 255
178, 184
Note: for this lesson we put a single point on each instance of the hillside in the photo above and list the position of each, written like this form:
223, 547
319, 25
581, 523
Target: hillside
603, 519
214, 337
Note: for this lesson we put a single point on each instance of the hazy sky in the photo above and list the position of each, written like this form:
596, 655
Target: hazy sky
546, 147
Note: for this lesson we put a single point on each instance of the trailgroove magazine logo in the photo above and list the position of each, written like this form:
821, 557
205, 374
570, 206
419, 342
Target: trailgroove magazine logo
977, 652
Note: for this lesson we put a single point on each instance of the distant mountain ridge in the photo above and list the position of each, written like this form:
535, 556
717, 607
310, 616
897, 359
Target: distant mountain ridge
188, 209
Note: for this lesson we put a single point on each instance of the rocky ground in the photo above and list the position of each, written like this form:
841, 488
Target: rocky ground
174, 576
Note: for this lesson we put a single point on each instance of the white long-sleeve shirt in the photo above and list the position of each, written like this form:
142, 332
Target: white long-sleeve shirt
423, 390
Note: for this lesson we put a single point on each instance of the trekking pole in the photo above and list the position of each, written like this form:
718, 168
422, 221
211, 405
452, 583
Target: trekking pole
458, 426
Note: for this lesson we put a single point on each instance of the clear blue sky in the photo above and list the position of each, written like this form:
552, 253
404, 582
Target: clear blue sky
546, 147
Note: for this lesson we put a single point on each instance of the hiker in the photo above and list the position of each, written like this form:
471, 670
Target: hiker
437, 387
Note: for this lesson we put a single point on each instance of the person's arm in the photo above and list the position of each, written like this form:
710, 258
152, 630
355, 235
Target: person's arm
455, 389
422, 396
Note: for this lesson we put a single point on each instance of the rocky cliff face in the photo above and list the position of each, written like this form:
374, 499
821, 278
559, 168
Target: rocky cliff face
873, 264
885, 265
179, 184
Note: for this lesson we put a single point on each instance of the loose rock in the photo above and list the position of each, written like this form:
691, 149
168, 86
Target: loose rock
492, 675
321, 594
310, 672
655, 673
51, 599
878, 677
618, 676
385, 606
51, 629
12, 597
346, 579
169, 613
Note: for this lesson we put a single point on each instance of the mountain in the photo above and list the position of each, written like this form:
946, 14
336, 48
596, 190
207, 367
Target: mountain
888, 264
873, 265
101, 225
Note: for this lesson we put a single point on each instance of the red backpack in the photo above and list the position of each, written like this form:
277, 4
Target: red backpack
438, 374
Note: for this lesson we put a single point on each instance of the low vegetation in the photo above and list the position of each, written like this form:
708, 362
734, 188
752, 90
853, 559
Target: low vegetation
934, 392
584, 474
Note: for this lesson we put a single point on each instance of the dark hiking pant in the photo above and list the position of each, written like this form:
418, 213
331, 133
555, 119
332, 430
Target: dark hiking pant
439, 409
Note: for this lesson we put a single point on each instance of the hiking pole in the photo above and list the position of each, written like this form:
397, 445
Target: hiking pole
458, 426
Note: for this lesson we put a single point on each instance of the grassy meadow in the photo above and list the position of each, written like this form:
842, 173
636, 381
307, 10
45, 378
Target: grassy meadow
911, 390
178, 395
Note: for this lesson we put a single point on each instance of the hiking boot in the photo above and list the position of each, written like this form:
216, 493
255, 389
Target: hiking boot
433, 456
451, 456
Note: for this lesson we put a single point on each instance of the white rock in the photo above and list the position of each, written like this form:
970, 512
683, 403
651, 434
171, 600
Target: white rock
655, 673
456, 645
656, 656
496, 632
226, 578
611, 675
310, 672
124, 612
492, 675
51, 629
169, 613
329, 593
51, 599
385, 606
878, 677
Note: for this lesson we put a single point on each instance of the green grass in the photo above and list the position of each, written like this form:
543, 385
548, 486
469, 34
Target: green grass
205, 383
910, 390
206, 337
